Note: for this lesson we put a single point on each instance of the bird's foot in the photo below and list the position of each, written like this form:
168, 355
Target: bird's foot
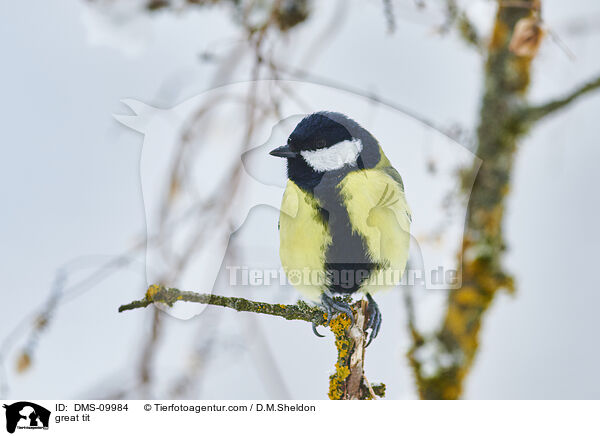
333, 308
315, 324
374, 321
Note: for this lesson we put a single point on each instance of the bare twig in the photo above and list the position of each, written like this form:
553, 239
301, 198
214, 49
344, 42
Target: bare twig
456, 17
309, 77
388, 12
534, 113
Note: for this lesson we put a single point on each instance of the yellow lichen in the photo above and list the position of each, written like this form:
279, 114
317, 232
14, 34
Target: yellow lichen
451, 392
152, 291
342, 372
339, 326
467, 296
336, 381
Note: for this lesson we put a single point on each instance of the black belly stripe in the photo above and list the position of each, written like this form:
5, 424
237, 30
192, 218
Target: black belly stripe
346, 259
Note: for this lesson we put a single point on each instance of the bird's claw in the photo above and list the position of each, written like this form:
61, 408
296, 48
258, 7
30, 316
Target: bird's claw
315, 324
332, 308
374, 321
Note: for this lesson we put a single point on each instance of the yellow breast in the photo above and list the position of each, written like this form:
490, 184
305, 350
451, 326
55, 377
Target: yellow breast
378, 212
303, 239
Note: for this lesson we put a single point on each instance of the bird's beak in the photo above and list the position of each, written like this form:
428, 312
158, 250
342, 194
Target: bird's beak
284, 151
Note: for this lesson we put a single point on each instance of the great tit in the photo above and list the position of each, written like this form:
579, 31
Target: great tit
344, 221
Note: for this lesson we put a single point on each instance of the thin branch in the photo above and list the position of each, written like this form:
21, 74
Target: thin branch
536, 113
467, 30
388, 11
309, 77
159, 294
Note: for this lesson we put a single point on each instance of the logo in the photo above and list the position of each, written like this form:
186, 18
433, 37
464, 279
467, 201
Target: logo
26, 415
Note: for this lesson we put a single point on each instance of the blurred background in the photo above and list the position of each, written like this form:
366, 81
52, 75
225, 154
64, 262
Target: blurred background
135, 138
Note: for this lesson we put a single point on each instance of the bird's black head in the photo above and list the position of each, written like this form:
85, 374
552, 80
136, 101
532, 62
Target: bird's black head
323, 142
317, 131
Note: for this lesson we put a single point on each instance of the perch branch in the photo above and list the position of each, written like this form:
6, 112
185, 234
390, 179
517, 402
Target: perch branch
160, 294
347, 382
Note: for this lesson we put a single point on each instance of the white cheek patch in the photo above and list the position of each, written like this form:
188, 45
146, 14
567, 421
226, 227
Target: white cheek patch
334, 157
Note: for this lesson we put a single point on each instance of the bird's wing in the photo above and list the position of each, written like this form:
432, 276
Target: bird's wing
378, 210
391, 171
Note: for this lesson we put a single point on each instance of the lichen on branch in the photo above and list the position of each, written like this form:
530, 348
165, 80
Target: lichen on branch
169, 296
347, 381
